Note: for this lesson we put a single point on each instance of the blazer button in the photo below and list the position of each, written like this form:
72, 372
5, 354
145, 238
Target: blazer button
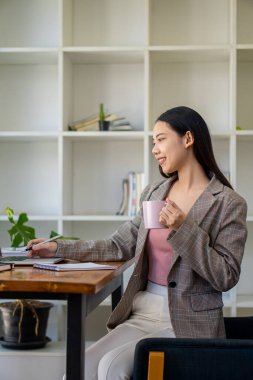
172, 284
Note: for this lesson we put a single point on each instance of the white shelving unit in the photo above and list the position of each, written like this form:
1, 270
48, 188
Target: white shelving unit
139, 57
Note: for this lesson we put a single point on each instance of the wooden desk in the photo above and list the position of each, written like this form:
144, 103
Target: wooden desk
83, 291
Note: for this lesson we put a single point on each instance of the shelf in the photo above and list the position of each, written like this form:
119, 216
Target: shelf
244, 167
178, 80
245, 284
244, 301
161, 54
244, 135
110, 135
189, 23
89, 156
34, 218
29, 97
245, 53
99, 55
96, 218
21, 164
33, 56
36, 23
244, 22
28, 136
247, 133
244, 88
95, 23
86, 85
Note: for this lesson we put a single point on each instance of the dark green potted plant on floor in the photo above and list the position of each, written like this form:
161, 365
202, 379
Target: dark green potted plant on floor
24, 321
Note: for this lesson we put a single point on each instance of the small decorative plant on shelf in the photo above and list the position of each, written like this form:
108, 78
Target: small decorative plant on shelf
103, 124
24, 321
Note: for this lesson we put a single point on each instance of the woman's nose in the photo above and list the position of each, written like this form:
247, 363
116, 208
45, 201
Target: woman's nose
154, 150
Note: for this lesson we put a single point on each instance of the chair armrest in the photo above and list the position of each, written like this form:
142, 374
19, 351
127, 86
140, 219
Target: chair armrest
155, 365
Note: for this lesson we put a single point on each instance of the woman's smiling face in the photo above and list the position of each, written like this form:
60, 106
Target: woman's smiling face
169, 148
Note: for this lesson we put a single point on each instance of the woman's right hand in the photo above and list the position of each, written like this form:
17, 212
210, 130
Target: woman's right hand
42, 250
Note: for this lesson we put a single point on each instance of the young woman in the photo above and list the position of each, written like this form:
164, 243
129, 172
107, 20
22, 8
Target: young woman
181, 270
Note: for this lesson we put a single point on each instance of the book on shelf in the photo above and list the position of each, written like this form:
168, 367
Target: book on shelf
132, 187
75, 266
120, 124
4, 267
84, 123
124, 203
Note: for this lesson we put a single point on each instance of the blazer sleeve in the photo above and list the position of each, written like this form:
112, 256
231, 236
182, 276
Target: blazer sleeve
220, 263
119, 247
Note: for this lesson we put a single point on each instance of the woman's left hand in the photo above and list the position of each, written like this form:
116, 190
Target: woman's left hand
171, 215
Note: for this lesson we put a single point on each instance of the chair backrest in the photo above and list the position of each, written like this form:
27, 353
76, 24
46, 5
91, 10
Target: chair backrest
197, 359
239, 327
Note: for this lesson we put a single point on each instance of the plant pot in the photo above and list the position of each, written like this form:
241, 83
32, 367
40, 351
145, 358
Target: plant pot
104, 125
25, 323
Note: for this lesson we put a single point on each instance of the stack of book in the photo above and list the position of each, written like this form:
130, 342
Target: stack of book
91, 123
120, 124
132, 185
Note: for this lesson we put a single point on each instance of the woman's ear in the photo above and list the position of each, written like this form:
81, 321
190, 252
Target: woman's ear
189, 139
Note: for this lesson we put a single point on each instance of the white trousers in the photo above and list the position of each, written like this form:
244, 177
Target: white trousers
111, 358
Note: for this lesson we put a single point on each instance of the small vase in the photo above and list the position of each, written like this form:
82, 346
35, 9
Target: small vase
104, 125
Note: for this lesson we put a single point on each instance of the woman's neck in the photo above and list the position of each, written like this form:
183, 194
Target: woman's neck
192, 177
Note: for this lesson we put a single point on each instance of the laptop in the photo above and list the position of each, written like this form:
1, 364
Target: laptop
18, 256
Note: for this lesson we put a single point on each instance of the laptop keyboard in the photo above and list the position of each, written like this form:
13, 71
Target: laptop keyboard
13, 258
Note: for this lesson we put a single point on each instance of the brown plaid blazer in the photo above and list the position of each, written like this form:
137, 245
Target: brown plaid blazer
208, 249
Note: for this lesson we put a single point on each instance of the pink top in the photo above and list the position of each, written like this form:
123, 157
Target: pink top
159, 255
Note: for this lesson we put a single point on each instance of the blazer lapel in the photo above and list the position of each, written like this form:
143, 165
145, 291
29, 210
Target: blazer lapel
202, 205
205, 201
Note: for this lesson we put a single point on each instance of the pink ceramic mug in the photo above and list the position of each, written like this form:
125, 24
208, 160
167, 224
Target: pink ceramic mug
151, 213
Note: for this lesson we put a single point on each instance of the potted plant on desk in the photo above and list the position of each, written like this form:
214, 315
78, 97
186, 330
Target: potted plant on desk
24, 321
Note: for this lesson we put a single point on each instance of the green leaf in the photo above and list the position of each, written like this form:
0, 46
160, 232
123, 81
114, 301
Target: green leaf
17, 240
12, 231
10, 214
30, 230
23, 218
19, 233
28, 234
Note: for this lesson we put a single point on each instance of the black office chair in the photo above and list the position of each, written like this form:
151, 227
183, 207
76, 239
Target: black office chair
198, 359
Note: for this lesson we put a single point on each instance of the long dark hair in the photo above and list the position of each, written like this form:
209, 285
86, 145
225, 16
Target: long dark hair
182, 119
